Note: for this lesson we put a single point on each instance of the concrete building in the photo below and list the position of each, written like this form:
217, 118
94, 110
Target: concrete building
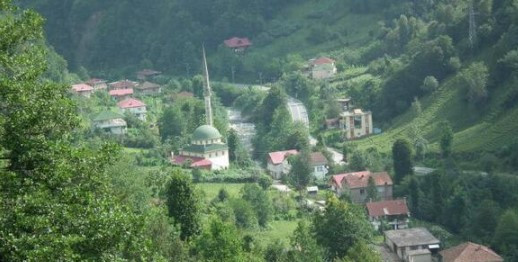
206, 150
356, 123
110, 122
355, 185
148, 88
414, 244
322, 68
134, 106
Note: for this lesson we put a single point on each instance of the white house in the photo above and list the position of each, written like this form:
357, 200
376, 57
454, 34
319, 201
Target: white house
134, 106
277, 163
322, 68
207, 150
318, 163
111, 123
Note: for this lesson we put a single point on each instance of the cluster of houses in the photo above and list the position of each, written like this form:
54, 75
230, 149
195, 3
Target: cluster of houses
401, 242
124, 92
278, 164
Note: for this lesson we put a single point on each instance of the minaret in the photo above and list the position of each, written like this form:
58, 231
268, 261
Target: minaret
207, 91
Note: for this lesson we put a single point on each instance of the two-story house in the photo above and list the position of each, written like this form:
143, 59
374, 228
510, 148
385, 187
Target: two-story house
356, 123
134, 106
318, 162
148, 88
392, 212
322, 68
121, 94
97, 84
277, 163
355, 185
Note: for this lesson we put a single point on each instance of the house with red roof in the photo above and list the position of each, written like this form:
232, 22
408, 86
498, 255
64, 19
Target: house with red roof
97, 84
134, 106
238, 44
82, 89
322, 68
123, 84
121, 94
355, 185
277, 163
470, 252
392, 212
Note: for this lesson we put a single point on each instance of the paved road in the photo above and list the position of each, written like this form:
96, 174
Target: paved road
298, 112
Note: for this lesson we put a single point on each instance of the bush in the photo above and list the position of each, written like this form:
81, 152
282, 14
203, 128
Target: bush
430, 84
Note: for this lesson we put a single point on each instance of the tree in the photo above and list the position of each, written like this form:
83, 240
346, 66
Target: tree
233, 144
183, 204
413, 189
358, 161
446, 139
304, 246
300, 173
372, 190
340, 227
402, 158
505, 238
430, 84
245, 215
362, 252
220, 242
271, 102
171, 124
56, 198
475, 79
260, 201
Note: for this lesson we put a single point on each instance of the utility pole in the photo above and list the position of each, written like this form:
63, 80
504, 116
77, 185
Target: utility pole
261, 78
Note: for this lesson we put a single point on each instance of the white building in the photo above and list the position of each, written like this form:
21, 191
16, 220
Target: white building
111, 123
134, 106
207, 150
322, 68
318, 163
277, 163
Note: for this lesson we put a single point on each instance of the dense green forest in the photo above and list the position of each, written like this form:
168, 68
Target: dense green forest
440, 78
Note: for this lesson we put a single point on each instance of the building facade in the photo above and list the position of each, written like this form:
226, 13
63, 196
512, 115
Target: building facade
110, 122
356, 123
134, 106
277, 163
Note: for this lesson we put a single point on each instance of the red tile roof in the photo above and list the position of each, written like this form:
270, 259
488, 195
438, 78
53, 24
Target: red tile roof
470, 252
236, 42
337, 180
195, 161
279, 156
82, 88
317, 158
121, 92
361, 179
322, 61
387, 208
123, 84
130, 103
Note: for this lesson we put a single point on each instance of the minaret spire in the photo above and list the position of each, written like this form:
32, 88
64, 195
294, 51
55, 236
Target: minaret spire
207, 91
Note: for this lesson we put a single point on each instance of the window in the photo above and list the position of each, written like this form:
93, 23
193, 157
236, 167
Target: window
362, 191
320, 168
358, 122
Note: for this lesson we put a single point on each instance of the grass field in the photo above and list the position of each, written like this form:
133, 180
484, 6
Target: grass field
210, 190
278, 230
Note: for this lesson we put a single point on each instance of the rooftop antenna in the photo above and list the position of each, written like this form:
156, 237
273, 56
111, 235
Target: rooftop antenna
207, 91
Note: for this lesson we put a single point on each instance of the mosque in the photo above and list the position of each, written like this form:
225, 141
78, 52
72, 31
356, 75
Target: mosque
207, 149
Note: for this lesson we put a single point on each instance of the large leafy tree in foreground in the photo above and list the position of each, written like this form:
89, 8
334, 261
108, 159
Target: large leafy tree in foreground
55, 200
